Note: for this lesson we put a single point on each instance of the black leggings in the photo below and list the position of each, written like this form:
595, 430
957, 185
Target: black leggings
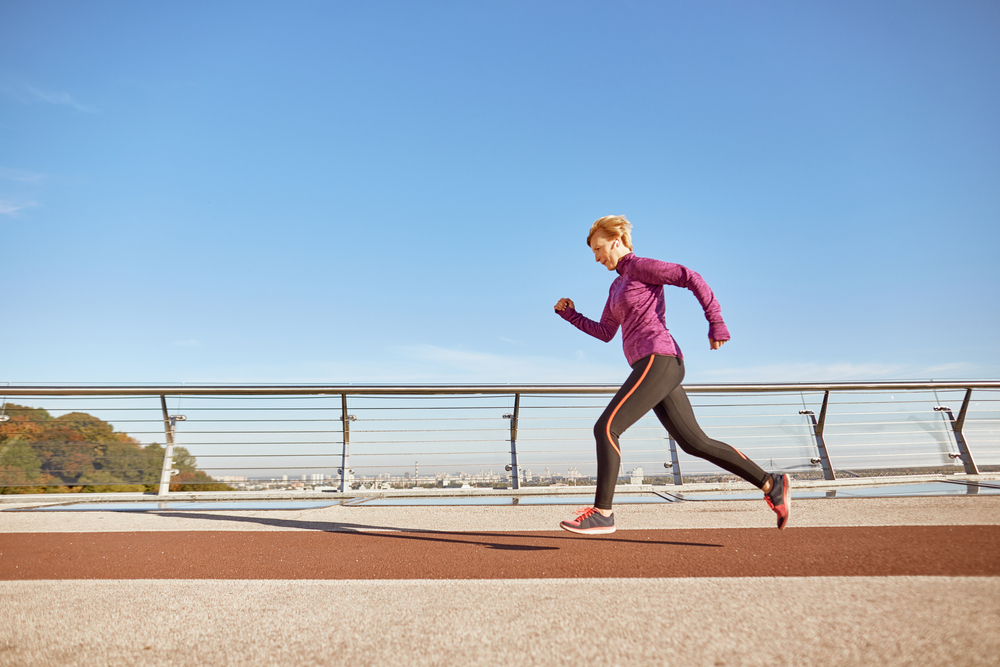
655, 383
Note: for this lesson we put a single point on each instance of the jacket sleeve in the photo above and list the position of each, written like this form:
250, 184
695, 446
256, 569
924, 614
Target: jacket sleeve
604, 330
655, 272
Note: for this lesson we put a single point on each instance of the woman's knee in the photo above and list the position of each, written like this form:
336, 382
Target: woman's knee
601, 429
687, 447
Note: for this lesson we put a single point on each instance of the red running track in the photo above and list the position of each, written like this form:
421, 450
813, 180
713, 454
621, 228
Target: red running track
863, 551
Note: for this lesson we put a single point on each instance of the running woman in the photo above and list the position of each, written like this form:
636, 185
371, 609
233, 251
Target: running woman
636, 305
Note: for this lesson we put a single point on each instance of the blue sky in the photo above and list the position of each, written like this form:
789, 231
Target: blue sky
399, 192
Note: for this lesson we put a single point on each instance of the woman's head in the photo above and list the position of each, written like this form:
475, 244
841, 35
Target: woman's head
610, 240
613, 227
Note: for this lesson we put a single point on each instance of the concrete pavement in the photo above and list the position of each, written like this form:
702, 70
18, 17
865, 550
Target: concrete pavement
739, 616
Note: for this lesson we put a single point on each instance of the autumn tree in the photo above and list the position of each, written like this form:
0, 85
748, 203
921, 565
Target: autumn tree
79, 452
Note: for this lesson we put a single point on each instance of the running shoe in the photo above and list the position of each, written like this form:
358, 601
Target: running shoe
589, 521
779, 498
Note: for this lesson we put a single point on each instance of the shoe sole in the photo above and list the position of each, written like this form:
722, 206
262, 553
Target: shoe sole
604, 530
786, 500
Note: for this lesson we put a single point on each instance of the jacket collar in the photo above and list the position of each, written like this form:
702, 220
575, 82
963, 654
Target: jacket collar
624, 262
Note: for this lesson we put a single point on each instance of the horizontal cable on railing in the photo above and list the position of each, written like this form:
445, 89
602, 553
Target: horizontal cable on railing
480, 464
267, 456
323, 392
835, 436
914, 422
159, 420
295, 467
336, 420
363, 454
868, 457
370, 408
626, 439
193, 408
659, 427
201, 432
629, 453
799, 428
926, 451
498, 408
369, 420
899, 454
190, 443
241, 432
257, 444
499, 430
699, 404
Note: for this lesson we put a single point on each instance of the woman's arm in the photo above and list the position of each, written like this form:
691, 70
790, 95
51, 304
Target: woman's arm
604, 330
655, 272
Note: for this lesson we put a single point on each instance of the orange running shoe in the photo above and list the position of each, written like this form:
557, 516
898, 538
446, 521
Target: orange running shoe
779, 498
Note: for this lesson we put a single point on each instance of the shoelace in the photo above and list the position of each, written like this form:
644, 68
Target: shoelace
584, 512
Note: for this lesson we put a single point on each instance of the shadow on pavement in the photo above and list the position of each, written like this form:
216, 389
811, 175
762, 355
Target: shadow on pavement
423, 535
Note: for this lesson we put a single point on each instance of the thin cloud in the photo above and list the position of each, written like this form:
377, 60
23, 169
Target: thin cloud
10, 208
59, 98
512, 341
19, 190
19, 176
30, 95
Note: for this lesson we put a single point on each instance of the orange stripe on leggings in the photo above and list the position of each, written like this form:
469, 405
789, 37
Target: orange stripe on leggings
615, 411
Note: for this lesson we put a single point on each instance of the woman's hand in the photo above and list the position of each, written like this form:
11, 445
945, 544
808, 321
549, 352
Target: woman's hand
561, 305
716, 344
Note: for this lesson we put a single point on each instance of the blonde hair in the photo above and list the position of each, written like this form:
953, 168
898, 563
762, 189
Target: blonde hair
613, 226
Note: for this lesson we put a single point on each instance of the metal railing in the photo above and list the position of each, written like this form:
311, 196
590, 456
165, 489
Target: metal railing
262, 431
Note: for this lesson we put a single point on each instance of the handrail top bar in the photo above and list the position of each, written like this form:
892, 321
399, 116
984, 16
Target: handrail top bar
503, 389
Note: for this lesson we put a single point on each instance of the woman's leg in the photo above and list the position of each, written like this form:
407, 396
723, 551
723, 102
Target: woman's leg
677, 416
675, 413
652, 379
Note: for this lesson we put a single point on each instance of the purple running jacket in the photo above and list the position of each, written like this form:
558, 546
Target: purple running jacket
635, 303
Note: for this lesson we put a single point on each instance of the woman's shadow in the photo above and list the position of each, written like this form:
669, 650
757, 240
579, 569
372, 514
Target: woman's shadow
488, 540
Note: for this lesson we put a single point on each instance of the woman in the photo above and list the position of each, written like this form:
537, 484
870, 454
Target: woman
635, 303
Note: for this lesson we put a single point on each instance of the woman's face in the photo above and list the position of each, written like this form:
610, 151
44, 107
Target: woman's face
607, 250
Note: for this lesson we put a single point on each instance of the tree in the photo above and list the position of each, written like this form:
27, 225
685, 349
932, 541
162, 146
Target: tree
80, 452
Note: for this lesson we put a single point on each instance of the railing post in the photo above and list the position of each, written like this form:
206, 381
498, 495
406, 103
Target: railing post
345, 452
958, 426
675, 464
818, 426
167, 471
512, 468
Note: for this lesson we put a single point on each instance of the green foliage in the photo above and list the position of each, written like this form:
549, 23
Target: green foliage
79, 452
